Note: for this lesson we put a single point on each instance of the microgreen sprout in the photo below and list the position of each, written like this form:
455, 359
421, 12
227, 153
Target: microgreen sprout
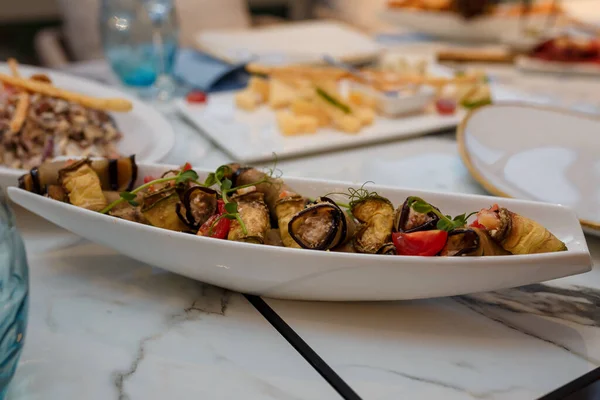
446, 222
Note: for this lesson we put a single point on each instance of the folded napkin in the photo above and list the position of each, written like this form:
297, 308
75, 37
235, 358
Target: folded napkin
204, 72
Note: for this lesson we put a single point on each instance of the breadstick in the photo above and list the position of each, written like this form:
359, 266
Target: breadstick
107, 104
20, 114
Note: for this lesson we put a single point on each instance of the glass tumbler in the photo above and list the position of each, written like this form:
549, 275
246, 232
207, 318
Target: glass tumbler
140, 43
14, 293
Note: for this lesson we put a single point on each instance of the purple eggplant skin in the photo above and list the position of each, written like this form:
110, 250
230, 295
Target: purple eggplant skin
197, 205
471, 242
407, 220
322, 225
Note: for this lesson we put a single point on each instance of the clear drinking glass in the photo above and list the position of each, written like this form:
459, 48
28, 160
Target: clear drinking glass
14, 291
140, 42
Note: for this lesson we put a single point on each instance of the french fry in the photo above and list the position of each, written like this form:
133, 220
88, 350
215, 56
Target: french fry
14, 67
107, 104
20, 114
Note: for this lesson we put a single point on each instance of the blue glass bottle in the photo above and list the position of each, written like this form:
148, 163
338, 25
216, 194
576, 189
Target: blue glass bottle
14, 292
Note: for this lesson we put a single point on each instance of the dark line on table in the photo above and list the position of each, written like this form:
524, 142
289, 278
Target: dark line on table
574, 386
303, 348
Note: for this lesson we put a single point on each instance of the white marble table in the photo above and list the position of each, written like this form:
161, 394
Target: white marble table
103, 326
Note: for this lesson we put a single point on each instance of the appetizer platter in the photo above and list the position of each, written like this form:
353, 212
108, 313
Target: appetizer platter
253, 231
563, 54
482, 21
521, 151
45, 114
293, 110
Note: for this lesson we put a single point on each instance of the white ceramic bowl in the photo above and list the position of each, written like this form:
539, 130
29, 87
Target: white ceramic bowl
317, 275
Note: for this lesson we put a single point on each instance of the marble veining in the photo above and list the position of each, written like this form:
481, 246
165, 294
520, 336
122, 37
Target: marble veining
577, 304
439, 383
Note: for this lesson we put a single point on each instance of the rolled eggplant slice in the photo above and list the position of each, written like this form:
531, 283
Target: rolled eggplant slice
255, 215
56, 192
408, 220
471, 242
197, 206
285, 209
322, 225
273, 189
376, 214
160, 210
388, 249
125, 210
118, 174
82, 186
518, 234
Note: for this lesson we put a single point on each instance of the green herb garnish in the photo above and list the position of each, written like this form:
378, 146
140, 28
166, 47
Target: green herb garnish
224, 184
181, 177
446, 222
333, 101
356, 196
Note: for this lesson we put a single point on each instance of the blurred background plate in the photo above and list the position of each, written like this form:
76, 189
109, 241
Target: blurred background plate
146, 132
536, 153
299, 42
451, 26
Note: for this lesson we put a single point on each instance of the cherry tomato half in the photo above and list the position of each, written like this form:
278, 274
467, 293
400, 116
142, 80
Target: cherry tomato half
217, 230
196, 97
445, 106
476, 224
187, 166
424, 243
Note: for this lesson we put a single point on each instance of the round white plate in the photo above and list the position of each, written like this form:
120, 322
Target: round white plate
319, 275
146, 132
537, 153
451, 26
554, 67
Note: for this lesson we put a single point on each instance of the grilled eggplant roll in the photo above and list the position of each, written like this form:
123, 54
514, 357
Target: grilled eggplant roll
408, 220
471, 242
282, 201
518, 234
376, 215
125, 210
322, 225
118, 174
253, 211
197, 205
285, 209
160, 210
82, 185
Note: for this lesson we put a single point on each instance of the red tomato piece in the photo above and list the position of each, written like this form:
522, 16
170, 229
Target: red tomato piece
218, 230
445, 106
476, 224
196, 97
148, 179
187, 166
425, 243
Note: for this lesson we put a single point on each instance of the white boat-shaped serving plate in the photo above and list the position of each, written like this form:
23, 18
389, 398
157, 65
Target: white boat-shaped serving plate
316, 275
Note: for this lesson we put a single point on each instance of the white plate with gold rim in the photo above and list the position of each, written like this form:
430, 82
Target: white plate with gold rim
536, 153
321, 275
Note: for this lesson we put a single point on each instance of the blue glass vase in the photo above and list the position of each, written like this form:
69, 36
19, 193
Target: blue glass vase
14, 293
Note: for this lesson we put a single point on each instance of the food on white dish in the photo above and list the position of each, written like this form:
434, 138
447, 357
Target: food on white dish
306, 98
39, 121
245, 204
568, 49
